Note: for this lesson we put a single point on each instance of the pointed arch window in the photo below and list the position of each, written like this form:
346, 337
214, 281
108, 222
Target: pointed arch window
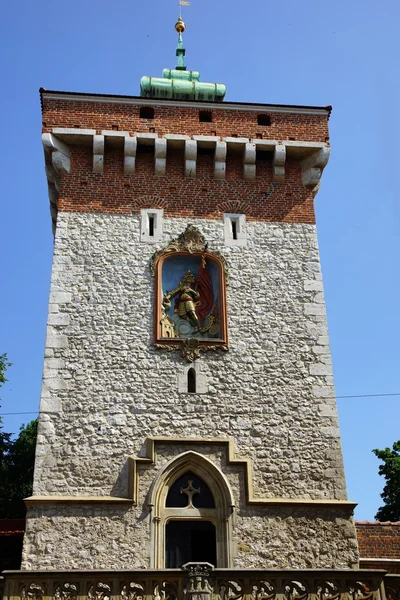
192, 509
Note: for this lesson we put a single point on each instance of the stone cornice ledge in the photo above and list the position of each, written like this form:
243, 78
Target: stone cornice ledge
151, 459
76, 500
115, 500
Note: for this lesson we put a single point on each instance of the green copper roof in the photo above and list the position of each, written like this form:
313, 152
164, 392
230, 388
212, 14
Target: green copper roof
179, 83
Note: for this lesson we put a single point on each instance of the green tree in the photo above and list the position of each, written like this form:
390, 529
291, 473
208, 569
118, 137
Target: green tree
16, 483
4, 364
5, 438
391, 491
16, 461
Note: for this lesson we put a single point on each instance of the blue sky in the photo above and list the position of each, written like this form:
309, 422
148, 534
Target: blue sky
310, 52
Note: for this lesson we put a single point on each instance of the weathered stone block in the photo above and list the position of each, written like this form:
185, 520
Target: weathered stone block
56, 341
60, 297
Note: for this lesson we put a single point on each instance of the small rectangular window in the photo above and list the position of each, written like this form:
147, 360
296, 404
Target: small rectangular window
151, 225
146, 112
264, 120
205, 116
235, 229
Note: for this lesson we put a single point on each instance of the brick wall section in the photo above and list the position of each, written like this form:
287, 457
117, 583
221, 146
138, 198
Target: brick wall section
378, 540
390, 566
115, 193
172, 119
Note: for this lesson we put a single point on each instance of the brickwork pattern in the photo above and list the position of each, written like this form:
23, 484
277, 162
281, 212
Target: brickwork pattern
390, 566
115, 193
173, 119
378, 540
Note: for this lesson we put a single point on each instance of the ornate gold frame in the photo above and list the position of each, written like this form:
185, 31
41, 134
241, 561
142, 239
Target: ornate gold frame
190, 242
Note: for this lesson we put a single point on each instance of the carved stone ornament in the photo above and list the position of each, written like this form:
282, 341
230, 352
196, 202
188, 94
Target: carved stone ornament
190, 349
295, 590
358, 590
100, 591
191, 240
66, 591
133, 591
230, 590
198, 585
262, 590
328, 590
34, 591
167, 590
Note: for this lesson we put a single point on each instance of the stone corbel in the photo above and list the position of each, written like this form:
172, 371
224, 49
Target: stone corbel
220, 160
60, 154
312, 168
190, 158
249, 162
160, 156
130, 147
57, 161
53, 184
98, 153
279, 163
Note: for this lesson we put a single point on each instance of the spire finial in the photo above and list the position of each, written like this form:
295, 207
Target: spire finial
180, 26
180, 50
180, 83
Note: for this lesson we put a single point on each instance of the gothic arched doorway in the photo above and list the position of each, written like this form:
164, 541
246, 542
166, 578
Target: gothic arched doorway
190, 541
191, 521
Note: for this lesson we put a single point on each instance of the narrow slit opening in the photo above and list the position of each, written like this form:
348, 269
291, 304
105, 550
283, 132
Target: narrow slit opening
234, 229
191, 381
151, 225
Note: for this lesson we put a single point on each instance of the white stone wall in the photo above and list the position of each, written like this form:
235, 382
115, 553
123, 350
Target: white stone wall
106, 388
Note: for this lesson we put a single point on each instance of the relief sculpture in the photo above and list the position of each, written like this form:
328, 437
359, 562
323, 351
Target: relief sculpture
190, 309
190, 305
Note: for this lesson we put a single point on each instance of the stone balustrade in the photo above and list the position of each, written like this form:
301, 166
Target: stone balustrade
199, 581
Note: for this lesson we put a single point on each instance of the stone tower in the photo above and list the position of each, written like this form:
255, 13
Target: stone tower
188, 410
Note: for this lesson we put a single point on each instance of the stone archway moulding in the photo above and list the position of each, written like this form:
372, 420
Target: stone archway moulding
199, 464
245, 463
221, 515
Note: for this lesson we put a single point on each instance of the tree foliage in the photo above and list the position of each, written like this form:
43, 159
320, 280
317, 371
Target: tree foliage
391, 491
4, 364
5, 438
16, 462
17, 472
